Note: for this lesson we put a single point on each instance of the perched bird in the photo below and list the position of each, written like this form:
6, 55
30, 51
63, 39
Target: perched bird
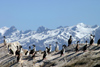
70, 41
77, 46
63, 50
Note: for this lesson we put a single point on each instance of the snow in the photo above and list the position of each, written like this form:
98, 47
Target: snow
3, 30
50, 40
44, 36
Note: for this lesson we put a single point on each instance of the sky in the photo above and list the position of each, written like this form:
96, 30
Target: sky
31, 14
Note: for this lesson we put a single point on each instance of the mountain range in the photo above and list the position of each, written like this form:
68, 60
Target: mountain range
42, 37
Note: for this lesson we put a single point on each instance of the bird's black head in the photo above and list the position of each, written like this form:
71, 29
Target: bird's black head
20, 46
86, 41
78, 41
4, 37
33, 45
17, 47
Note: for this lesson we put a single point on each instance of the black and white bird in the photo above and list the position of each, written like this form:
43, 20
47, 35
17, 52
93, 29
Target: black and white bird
50, 49
98, 42
17, 53
44, 55
77, 46
85, 47
57, 47
70, 41
46, 50
63, 50
92, 39
28, 52
10, 51
21, 51
34, 48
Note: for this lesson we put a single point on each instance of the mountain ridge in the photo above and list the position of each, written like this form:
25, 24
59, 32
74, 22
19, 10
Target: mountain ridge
44, 36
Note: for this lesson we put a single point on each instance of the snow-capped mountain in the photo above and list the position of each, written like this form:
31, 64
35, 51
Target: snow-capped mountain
44, 36
3, 30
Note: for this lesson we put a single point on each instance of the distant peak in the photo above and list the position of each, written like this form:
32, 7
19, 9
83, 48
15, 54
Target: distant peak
3, 30
59, 27
13, 28
81, 24
4, 27
41, 29
95, 26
